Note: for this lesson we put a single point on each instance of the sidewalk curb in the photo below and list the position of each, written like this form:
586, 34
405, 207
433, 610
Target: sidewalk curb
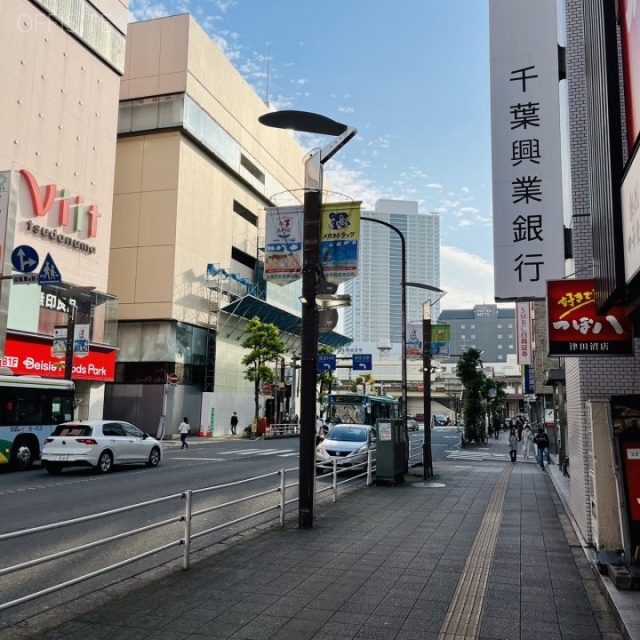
620, 603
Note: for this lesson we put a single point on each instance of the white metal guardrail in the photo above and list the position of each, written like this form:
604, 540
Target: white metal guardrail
187, 516
282, 430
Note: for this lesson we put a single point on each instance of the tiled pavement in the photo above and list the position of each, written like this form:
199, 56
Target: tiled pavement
484, 541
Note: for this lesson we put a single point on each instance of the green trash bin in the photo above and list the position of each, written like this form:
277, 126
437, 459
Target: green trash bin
391, 451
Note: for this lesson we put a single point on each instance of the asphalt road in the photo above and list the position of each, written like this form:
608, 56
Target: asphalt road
34, 498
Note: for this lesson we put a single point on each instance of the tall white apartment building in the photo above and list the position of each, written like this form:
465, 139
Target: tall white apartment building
374, 320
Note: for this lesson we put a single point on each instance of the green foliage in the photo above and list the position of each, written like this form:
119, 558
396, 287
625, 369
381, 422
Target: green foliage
473, 382
495, 403
360, 383
324, 379
265, 347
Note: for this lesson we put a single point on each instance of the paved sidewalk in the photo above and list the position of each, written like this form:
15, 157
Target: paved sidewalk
485, 551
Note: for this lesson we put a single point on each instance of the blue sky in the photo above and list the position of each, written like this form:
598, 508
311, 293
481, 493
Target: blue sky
411, 75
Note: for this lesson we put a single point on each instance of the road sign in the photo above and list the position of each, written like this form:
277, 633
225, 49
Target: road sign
326, 362
25, 278
24, 258
362, 361
49, 273
173, 378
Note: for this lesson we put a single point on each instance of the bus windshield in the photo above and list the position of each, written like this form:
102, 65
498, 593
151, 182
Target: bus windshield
30, 409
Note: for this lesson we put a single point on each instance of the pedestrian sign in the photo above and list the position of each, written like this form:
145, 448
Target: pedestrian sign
49, 273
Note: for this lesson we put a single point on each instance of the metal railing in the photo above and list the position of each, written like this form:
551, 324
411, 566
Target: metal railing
187, 516
282, 430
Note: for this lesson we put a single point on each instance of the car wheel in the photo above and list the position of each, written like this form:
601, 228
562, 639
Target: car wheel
105, 462
154, 457
22, 455
53, 468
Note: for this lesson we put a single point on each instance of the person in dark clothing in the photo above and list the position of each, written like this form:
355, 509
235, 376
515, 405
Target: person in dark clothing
234, 423
513, 445
541, 440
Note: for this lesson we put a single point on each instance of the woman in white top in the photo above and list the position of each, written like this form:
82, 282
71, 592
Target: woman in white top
183, 430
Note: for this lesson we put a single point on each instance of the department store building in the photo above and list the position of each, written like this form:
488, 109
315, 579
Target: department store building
60, 73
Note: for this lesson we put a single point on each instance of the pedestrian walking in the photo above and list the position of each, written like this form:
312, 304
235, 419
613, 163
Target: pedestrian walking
234, 423
542, 442
513, 445
319, 430
184, 430
527, 442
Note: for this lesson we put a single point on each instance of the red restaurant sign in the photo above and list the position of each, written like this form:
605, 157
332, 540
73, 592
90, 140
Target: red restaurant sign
28, 356
575, 329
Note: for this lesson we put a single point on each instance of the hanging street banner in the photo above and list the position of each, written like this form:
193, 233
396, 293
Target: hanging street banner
283, 244
528, 229
339, 237
576, 329
440, 340
414, 341
524, 329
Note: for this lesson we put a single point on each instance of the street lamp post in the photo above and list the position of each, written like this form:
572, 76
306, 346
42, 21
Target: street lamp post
311, 276
403, 304
427, 458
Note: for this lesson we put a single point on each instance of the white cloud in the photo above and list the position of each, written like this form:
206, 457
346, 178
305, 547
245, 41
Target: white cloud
467, 279
434, 185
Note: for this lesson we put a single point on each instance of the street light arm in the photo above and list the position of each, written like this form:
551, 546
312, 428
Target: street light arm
316, 159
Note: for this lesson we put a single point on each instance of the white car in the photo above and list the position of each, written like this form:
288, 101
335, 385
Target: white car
347, 444
99, 444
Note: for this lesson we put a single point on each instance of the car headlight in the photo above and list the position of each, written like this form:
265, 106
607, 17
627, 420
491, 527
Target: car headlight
363, 449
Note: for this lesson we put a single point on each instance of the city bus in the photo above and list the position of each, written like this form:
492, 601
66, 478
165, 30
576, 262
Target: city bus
360, 408
30, 409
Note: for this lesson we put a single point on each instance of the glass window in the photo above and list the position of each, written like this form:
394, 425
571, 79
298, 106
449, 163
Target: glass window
132, 431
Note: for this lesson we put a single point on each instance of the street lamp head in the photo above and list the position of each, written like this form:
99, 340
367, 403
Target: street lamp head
428, 287
304, 121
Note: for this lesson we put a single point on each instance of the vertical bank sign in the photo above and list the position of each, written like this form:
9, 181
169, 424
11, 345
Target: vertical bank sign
528, 246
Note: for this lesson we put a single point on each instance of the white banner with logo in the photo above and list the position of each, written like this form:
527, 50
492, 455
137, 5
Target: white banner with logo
283, 244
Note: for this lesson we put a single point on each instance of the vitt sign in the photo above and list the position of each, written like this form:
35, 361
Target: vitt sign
60, 217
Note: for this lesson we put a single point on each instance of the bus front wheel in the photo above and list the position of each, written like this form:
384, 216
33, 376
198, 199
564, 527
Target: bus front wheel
23, 453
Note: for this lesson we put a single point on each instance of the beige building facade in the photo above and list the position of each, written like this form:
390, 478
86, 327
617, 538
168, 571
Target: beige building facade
194, 173
60, 73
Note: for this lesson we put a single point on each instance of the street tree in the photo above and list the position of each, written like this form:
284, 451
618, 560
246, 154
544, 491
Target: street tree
495, 393
265, 346
473, 381
325, 380
362, 382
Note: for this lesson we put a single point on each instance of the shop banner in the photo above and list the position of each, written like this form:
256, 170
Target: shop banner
523, 333
576, 329
414, 342
31, 357
529, 376
283, 244
440, 340
339, 238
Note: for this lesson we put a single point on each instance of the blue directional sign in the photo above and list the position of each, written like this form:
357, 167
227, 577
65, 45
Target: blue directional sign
326, 362
362, 361
24, 258
49, 272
